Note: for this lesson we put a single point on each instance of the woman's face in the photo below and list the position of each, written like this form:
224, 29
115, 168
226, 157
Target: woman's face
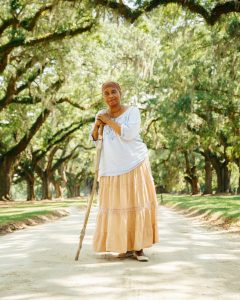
111, 96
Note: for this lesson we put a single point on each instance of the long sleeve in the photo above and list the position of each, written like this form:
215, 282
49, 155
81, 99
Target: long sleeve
121, 153
131, 128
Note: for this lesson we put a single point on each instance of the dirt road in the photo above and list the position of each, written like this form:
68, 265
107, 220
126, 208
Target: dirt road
191, 261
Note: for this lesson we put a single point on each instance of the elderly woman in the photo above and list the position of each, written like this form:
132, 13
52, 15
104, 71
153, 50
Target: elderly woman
126, 220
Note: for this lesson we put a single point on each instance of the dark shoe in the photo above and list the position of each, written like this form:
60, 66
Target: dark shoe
140, 256
126, 254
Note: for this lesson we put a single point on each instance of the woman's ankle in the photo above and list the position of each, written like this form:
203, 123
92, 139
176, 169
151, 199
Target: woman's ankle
139, 252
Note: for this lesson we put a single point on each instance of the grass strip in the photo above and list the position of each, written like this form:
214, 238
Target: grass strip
227, 207
20, 211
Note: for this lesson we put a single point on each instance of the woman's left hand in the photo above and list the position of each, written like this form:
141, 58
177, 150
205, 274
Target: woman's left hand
104, 118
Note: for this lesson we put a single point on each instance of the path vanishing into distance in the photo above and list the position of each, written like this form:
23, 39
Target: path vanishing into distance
191, 261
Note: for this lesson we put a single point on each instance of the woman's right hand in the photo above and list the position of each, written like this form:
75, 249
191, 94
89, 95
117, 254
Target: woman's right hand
98, 123
95, 131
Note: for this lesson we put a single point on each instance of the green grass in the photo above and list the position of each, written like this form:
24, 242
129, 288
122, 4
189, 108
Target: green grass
20, 211
227, 206
4, 219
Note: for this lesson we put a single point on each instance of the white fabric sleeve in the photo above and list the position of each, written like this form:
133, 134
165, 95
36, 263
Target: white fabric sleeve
131, 128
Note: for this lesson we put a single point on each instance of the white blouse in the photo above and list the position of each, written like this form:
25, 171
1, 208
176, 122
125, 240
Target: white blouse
122, 153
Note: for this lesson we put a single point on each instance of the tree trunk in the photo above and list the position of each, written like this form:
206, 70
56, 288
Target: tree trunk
220, 165
6, 175
238, 189
30, 187
194, 182
77, 190
191, 176
192, 179
237, 161
208, 176
46, 192
70, 189
9, 159
223, 177
58, 189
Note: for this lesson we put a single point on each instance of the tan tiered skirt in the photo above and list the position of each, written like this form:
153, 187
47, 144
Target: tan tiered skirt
126, 218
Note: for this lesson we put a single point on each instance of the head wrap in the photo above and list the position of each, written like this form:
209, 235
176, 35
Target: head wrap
111, 84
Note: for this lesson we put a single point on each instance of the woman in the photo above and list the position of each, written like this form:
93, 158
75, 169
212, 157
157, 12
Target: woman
126, 220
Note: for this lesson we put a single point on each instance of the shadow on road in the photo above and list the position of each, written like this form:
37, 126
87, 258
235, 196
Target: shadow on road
191, 261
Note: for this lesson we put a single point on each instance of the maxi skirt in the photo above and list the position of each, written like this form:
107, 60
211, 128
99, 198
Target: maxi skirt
127, 215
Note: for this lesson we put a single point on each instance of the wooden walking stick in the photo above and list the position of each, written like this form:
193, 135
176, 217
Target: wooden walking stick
97, 160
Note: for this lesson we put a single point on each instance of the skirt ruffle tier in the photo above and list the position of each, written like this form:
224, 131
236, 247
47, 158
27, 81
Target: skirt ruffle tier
127, 215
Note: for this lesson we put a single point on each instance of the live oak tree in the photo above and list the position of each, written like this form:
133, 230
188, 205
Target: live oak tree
210, 11
196, 94
26, 30
177, 60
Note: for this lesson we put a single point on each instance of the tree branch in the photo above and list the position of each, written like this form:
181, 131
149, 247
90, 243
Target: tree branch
11, 89
211, 17
65, 99
6, 24
23, 143
60, 136
51, 37
50, 157
9, 93
30, 23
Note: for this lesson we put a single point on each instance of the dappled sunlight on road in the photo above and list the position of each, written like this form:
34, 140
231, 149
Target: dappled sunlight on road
191, 261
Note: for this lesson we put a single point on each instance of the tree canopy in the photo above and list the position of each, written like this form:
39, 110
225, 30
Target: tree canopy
178, 61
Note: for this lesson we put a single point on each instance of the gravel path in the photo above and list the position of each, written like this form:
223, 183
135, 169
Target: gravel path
191, 261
